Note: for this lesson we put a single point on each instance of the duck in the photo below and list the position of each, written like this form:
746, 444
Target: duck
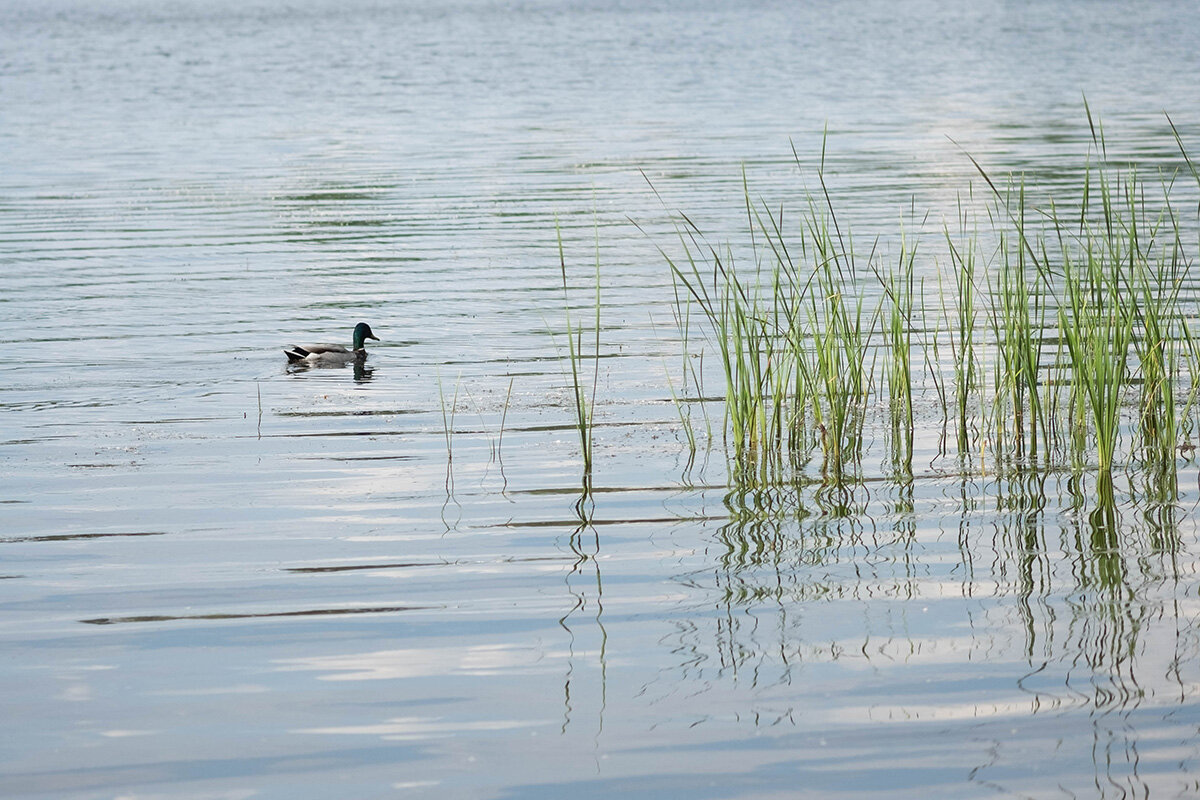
332, 353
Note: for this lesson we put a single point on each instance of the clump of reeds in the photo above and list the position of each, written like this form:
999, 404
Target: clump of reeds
964, 255
1087, 348
793, 337
1018, 314
1108, 287
840, 327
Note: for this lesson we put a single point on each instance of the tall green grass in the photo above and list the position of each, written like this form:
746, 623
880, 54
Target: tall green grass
898, 325
583, 396
961, 324
792, 335
1065, 338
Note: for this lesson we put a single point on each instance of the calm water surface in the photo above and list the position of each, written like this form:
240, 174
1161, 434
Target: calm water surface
222, 579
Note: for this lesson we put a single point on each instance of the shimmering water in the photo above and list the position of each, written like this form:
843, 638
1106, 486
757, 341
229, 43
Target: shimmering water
224, 579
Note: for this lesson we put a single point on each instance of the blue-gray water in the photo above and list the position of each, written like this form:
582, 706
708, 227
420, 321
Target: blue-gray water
222, 579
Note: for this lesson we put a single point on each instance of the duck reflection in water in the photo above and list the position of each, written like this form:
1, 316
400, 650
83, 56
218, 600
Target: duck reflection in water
362, 373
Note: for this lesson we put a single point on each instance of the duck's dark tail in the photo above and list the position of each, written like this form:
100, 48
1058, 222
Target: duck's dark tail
295, 354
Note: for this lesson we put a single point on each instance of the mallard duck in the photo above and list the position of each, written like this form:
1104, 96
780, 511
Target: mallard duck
332, 353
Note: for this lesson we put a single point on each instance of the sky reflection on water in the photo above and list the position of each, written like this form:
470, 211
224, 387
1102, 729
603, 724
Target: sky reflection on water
227, 578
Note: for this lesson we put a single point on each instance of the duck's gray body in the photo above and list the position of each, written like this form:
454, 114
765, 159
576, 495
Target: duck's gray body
332, 353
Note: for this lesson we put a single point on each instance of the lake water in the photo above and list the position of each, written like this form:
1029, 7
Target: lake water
224, 579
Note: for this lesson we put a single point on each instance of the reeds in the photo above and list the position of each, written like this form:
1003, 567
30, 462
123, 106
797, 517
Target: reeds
793, 340
583, 397
898, 324
1086, 344
1018, 316
1098, 330
841, 327
961, 326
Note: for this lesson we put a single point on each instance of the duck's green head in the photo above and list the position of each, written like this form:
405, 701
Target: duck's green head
362, 332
